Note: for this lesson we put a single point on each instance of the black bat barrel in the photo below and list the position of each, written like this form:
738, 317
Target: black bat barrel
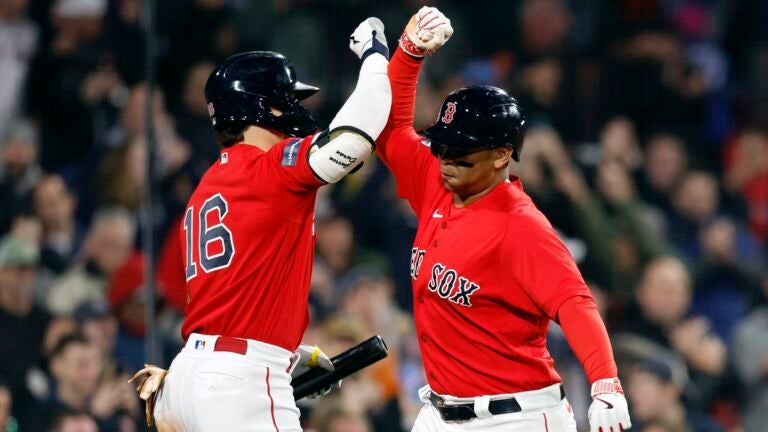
345, 364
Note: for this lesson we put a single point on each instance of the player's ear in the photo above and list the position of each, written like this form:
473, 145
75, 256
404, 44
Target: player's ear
501, 157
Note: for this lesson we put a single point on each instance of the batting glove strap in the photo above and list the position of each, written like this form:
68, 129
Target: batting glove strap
607, 385
310, 356
410, 48
369, 38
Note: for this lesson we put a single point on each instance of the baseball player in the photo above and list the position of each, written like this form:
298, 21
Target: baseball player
488, 270
248, 239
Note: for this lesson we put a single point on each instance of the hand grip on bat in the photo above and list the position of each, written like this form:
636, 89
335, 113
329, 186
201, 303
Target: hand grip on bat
345, 364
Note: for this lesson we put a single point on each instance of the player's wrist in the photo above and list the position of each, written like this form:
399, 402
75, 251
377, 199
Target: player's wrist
375, 47
410, 47
606, 386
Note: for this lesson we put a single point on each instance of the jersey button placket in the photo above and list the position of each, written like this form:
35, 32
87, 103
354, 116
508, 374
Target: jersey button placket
444, 225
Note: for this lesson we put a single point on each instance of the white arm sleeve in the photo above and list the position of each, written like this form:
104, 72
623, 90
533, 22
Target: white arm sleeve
358, 123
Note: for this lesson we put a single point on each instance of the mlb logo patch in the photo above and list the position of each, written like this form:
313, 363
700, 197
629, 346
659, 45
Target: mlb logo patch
199, 344
224, 158
211, 111
290, 153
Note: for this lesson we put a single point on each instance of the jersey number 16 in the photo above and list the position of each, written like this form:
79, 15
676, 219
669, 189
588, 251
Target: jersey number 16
208, 235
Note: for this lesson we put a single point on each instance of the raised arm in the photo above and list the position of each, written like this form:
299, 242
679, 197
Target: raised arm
353, 132
399, 146
426, 32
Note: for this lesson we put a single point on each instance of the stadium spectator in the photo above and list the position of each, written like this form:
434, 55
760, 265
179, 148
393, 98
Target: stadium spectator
22, 323
126, 301
73, 421
7, 422
19, 38
646, 138
747, 172
107, 245
665, 164
334, 417
655, 395
661, 313
749, 353
73, 81
19, 171
55, 205
192, 119
76, 368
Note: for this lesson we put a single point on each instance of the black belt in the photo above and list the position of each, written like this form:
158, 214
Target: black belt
464, 412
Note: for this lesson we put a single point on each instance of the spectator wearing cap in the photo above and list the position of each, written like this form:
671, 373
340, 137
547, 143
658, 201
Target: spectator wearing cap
55, 205
19, 171
100, 327
22, 323
126, 300
655, 394
107, 246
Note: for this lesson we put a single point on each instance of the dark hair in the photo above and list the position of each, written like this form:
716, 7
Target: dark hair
66, 341
231, 135
64, 414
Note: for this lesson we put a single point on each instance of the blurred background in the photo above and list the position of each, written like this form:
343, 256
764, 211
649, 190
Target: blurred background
647, 148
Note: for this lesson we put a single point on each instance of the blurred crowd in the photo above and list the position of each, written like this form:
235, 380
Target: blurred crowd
647, 148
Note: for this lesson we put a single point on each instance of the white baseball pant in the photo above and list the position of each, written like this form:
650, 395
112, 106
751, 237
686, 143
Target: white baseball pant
211, 386
542, 411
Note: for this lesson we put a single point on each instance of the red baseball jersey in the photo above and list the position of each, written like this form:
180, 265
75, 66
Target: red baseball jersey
487, 278
248, 241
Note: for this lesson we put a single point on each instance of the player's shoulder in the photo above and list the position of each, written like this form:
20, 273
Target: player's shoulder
289, 149
521, 214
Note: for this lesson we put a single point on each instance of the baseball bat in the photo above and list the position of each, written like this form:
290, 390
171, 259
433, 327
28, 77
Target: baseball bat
345, 364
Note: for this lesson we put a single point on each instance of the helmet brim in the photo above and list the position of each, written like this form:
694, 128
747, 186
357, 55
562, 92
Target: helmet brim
438, 133
303, 91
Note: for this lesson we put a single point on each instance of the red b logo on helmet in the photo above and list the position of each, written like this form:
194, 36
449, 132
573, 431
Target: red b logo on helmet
450, 110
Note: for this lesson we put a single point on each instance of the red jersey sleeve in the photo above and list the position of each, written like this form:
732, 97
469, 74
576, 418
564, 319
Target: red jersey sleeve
399, 146
289, 160
541, 263
587, 336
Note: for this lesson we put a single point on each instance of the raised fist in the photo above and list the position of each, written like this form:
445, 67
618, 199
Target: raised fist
369, 38
427, 31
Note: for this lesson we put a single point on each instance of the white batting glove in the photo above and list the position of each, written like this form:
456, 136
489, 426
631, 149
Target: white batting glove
427, 31
369, 38
608, 412
311, 356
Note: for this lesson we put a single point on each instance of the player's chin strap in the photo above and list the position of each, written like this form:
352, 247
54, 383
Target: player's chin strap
151, 380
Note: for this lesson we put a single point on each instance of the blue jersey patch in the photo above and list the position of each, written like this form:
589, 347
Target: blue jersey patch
290, 153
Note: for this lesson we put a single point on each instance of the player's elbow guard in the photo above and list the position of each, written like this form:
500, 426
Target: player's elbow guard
339, 156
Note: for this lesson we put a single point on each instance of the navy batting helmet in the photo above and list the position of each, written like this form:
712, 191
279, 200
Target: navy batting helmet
475, 118
245, 87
